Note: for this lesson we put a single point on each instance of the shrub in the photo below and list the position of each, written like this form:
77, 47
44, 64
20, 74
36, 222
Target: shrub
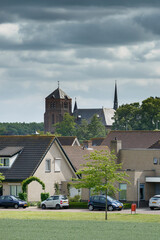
76, 198
44, 196
81, 205
38, 204
23, 196
126, 205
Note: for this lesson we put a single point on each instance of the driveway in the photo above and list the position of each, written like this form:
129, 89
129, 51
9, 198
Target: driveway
127, 211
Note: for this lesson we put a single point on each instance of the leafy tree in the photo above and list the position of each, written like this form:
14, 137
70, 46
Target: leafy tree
101, 173
138, 117
82, 131
67, 127
1, 178
96, 128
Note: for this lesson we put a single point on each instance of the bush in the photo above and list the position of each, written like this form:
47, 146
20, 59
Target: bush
126, 205
38, 204
44, 196
82, 205
23, 196
76, 198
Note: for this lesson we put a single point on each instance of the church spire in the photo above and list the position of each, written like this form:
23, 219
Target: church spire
115, 105
75, 106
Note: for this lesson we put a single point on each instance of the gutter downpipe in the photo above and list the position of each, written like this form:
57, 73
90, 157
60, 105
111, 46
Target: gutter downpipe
138, 191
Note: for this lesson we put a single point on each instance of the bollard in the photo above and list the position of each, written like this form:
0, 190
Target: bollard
133, 208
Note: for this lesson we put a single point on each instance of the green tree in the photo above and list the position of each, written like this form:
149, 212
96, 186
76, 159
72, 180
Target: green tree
138, 117
67, 127
100, 172
96, 128
127, 117
82, 131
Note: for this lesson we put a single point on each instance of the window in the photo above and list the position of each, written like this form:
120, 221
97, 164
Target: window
4, 162
15, 190
65, 105
123, 191
142, 191
48, 165
155, 160
57, 166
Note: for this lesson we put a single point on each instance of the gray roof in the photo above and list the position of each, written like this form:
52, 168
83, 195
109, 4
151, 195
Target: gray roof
58, 94
10, 151
106, 115
34, 149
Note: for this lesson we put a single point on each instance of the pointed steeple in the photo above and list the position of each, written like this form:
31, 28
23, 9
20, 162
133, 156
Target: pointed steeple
75, 106
115, 105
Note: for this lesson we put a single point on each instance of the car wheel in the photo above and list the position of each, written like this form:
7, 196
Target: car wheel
91, 207
110, 208
58, 206
152, 208
16, 206
43, 206
24, 207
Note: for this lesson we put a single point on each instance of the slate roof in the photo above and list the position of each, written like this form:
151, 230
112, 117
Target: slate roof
33, 148
77, 154
155, 145
58, 94
67, 141
133, 139
105, 114
97, 141
10, 151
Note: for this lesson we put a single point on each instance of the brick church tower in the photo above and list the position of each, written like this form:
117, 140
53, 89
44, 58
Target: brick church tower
56, 105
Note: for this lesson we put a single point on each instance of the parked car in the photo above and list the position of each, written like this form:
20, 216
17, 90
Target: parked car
154, 202
12, 201
56, 201
99, 202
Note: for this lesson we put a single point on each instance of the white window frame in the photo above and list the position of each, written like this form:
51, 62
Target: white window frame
3, 160
123, 187
16, 191
48, 165
57, 164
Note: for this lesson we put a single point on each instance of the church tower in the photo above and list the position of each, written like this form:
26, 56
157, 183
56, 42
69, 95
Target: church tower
56, 105
115, 105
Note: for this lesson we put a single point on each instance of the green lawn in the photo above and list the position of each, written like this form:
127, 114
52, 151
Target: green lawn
48, 225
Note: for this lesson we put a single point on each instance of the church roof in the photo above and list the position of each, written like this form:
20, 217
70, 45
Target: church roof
106, 115
58, 94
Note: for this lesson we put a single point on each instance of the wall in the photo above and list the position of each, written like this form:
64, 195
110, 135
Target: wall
50, 178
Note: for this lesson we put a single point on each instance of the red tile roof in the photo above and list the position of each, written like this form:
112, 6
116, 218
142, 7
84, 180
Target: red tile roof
77, 154
133, 139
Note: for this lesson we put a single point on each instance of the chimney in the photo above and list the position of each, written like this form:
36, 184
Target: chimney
115, 146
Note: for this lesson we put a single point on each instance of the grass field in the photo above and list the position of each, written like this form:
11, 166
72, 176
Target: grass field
84, 225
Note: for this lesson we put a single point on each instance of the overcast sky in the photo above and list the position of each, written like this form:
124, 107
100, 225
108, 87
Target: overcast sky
84, 44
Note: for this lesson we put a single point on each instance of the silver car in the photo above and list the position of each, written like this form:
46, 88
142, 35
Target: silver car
56, 201
154, 202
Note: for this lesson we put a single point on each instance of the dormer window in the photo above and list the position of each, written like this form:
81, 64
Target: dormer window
4, 162
8, 155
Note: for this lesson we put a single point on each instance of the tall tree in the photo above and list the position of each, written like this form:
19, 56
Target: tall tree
96, 128
138, 117
82, 131
67, 127
101, 173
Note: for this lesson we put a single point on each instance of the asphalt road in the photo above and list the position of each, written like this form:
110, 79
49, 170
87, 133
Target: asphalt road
139, 211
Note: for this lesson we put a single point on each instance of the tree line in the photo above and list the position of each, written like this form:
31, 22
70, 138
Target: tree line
18, 128
136, 116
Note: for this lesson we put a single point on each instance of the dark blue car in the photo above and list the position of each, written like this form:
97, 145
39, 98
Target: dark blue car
99, 202
12, 201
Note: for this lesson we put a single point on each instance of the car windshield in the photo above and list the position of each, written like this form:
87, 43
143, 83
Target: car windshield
110, 199
14, 198
155, 198
63, 197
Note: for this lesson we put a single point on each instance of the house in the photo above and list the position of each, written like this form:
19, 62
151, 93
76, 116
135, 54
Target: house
68, 141
39, 156
142, 164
